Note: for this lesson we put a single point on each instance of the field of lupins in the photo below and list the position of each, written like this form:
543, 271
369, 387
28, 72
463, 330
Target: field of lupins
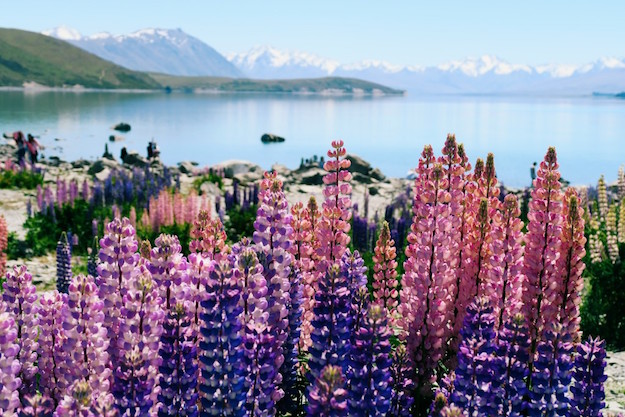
484, 320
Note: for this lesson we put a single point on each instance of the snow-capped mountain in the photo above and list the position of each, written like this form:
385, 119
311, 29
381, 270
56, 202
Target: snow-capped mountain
485, 74
168, 51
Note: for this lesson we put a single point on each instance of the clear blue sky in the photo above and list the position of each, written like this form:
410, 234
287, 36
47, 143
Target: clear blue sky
400, 32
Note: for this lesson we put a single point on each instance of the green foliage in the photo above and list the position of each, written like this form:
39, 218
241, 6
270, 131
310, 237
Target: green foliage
210, 177
180, 230
602, 309
21, 179
16, 248
240, 223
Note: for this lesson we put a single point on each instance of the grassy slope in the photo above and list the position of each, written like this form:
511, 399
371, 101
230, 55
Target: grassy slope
27, 56
270, 86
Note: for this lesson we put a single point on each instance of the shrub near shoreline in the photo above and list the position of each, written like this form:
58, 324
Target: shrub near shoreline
283, 323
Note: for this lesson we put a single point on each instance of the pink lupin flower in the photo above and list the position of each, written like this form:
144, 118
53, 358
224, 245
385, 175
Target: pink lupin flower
570, 265
333, 225
542, 246
504, 277
133, 217
208, 236
308, 257
425, 296
385, 272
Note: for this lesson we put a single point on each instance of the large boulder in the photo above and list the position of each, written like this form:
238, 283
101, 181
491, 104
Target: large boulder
235, 167
187, 167
134, 159
364, 168
309, 176
101, 164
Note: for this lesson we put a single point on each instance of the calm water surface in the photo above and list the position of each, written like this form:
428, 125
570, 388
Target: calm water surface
588, 132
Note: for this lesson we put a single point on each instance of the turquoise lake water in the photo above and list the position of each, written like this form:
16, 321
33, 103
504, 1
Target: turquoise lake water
389, 132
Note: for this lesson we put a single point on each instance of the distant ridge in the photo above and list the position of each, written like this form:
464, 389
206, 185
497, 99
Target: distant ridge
167, 51
28, 57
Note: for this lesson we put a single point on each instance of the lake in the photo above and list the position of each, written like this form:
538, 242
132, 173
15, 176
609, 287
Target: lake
389, 132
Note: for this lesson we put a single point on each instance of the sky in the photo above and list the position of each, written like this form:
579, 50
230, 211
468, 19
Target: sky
399, 32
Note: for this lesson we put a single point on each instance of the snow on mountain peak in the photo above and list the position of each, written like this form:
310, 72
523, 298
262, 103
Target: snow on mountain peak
64, 33
475, 67
272, 57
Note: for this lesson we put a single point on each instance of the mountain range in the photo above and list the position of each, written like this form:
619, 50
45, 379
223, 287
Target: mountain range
176, 53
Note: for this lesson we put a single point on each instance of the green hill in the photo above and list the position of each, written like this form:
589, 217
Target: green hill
28, 56
312, 85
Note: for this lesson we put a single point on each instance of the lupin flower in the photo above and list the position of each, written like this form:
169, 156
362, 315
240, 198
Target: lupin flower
4, 234
309, 273
82, 401
602, 197
85, 340
52, 381
10, 366
611, 232
63, 264
207, 235
513, 347
564, 304
272, 235
222, 387
138, 345
20, 296
370, 382
384, 271
118, 259
504, 278
37, 406
428, 283
328, 397
596, 249
178, 395
291, 362
331, 323
621, 183
542, 244
169, 271
551, 374
333, 225
589, 375
401, 374
621, 222
475, 392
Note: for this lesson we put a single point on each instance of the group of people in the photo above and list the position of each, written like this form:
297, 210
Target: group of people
26, 144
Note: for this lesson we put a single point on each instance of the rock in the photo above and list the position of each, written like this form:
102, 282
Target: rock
114, 138
187, 167
54, 161
271, 138
134, 159
101, 164
311, 176
234, 167
80, 163
360, 166
210, 188
104, 174
122, 127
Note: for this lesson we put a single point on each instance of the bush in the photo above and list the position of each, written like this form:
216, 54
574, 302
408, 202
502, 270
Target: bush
20, 179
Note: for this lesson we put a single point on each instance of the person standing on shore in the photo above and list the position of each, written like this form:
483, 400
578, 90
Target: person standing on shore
533, 173
33, 148
21, 146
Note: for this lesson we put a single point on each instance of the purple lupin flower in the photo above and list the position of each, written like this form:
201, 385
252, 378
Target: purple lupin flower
513, 349
272, 235
327, 396
401, 374
85, 340
63, 264
20, 296
331, 323
169, 270
9, 363
551, 375
178, 395
118, 260
140, 330
589, 376
52, 381
370, 383
221, 351
473, 375
37, 406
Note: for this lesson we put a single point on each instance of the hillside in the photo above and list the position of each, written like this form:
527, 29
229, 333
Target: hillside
309, 85
27, 56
